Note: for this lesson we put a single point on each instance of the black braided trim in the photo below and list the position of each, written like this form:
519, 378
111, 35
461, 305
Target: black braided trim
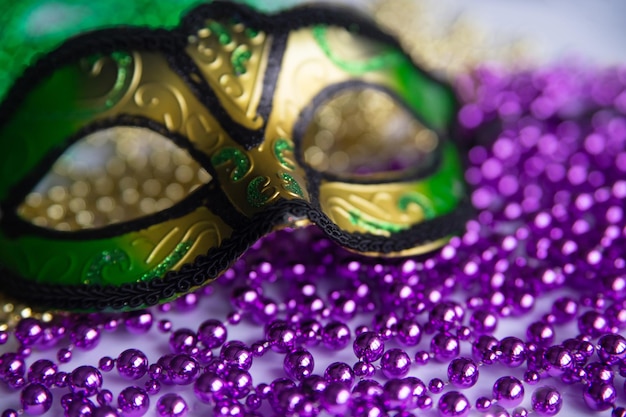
207, 267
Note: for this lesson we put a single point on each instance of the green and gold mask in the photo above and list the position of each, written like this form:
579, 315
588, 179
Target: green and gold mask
136, 164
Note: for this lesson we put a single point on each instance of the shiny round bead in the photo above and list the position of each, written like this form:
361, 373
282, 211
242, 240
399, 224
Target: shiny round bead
106, 364
546, 401
559, 360
599, 396
42, 371
482, 346
212, 333
397, 394
183, 369
133, 402
210, 387
593, 323
483, 322
64, 355
512, 351
104, 397
508, 391
11, 365
253, 402
336, 335
422, 357
138, 322
28, 331
364, 369
281, 336
298, 364
85, 380
237, 354
463, 372
85, 336
239, 382
444, 346
9, 412
395, 363
314, 385
336, 398
601, 372
35, 399
436, 385
409, 333
520, 412
152, 386
368, 388
340, 372
183, 341
564, 310
445, 315
483, 404
132, 364
368, 346
171, 405
531, 377
612, 348
540, 333
453, 404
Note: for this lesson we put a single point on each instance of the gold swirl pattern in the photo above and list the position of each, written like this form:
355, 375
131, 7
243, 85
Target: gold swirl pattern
232, 58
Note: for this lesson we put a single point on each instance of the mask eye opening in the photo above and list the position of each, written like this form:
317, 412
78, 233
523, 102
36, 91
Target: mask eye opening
364, 133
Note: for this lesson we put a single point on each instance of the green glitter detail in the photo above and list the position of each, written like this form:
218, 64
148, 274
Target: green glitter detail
374, 225
251, 33
124, 61
240, 56
291, 184
281, 146
107, 258
221, 32
168, 263
255, 195
422, 201
390, 58
237, 158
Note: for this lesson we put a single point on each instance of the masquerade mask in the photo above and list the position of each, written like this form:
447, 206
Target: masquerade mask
137, 164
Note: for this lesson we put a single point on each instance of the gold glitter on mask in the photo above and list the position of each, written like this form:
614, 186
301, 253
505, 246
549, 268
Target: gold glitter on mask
111, 176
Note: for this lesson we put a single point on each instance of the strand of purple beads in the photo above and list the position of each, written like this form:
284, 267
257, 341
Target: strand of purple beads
546, 247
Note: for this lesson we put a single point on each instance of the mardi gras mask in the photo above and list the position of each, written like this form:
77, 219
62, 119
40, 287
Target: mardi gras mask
137, 164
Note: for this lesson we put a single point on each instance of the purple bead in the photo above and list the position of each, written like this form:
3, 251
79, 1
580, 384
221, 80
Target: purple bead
239, 382
508, 391
85, 380
314, 385
445, 315
395, 363
64, 355
520, 412
132, 364
368, 388
336, 398
531, 377
210, 387
281, 336
564, 310
237, 354
212, 333
368, 346
483, 404
336, 335
436, 385
618, 412
593, 323
340, 372
444, 346
364, 369
28, 331
183, 369
298, 364
35, 399
106, 364
133, 402
482, 346
483, 322
85, 336
546, 401
612, 348
42, 371
397, 394
152, 386
559, 360
453, 404
409, 333
599, 396
11, 365
513, 351
104, 397
171, 405
601, 372
138, 322
541, 333
183, 341
9, 412
463, 373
